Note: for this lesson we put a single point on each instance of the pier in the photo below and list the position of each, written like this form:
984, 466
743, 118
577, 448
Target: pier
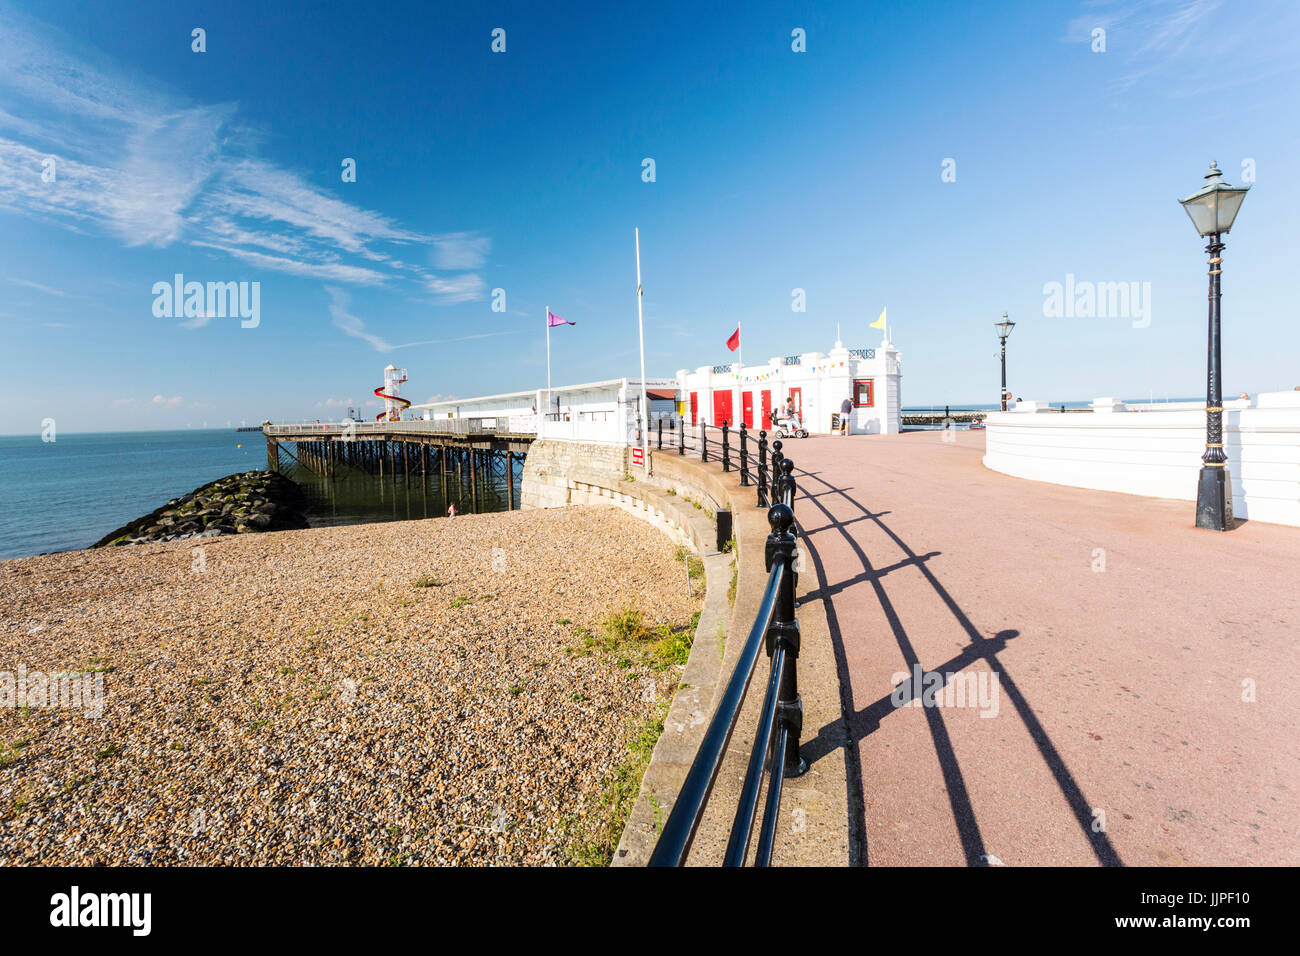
466, 449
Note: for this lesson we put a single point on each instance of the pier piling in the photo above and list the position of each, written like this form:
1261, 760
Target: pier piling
470, 463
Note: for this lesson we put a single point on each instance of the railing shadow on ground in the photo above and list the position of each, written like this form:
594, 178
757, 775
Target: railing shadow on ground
865, 720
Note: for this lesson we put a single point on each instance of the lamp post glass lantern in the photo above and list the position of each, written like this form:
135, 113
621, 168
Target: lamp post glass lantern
1004, 329
1212, 209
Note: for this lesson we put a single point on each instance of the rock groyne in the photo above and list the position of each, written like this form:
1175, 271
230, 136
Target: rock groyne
237, 504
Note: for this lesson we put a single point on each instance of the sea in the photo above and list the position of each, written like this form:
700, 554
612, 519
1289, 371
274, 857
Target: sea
939, 409
68, 493
935, 409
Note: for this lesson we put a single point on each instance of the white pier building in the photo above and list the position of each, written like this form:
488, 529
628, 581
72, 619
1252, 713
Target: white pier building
816, 382
602, 412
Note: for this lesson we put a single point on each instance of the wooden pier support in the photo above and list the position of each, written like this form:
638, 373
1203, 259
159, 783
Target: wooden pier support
510, 481
473, 479
470, 469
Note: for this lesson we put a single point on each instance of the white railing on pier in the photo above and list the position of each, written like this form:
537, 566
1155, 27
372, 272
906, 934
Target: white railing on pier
515, 425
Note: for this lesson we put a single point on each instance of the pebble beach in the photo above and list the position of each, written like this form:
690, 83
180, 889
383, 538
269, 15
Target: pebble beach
407, 693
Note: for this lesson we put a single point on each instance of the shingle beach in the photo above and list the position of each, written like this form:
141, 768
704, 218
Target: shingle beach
403, 693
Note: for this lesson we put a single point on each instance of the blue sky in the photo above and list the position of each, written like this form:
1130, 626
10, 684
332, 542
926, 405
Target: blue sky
522, 171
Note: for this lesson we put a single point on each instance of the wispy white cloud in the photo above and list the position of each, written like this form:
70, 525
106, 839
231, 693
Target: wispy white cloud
197, 322
331, 271
258, 192
340, 304
37, 286
1198, 45
468, 287
172, 402
458, 338
460, 251
340, 312
137, 161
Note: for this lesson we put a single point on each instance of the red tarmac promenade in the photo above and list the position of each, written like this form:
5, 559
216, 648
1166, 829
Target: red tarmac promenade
1145, 707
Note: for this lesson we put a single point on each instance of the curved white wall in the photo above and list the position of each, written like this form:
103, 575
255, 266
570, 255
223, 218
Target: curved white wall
1157, 452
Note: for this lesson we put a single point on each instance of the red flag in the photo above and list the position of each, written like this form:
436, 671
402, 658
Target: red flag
733, 343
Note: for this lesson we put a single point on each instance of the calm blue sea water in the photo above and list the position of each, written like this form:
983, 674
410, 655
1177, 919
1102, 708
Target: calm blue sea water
924, 409
69, 493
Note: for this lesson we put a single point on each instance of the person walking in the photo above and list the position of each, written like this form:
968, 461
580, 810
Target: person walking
846, 409
451, 510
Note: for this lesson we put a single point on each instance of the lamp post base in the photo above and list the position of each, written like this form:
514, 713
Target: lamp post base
1214, 499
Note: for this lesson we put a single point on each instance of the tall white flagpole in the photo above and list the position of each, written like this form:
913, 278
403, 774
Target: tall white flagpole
548, 364
740, 346
640, 330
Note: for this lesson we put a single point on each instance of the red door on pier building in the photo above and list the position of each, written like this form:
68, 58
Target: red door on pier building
747, 408
722, 408
796, 396
695, 405
767, 409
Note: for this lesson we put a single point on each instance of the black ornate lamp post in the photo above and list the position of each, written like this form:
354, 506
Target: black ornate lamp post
1212, 209
1004, 329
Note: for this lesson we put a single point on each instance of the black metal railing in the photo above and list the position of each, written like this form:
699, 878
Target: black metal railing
777, 464
710, 442
733, 448
672, 425
862, 353
780, 724
744, 457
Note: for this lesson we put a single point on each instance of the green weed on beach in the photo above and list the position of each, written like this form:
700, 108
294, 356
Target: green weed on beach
9, 751
635, 646
633, 643
596, 845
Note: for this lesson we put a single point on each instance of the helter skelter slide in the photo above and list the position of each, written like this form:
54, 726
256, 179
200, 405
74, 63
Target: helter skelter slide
393, 402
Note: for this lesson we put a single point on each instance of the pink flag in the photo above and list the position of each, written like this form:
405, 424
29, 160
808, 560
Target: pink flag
552, 320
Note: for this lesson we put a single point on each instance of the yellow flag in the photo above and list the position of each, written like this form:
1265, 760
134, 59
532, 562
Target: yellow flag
880, 322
